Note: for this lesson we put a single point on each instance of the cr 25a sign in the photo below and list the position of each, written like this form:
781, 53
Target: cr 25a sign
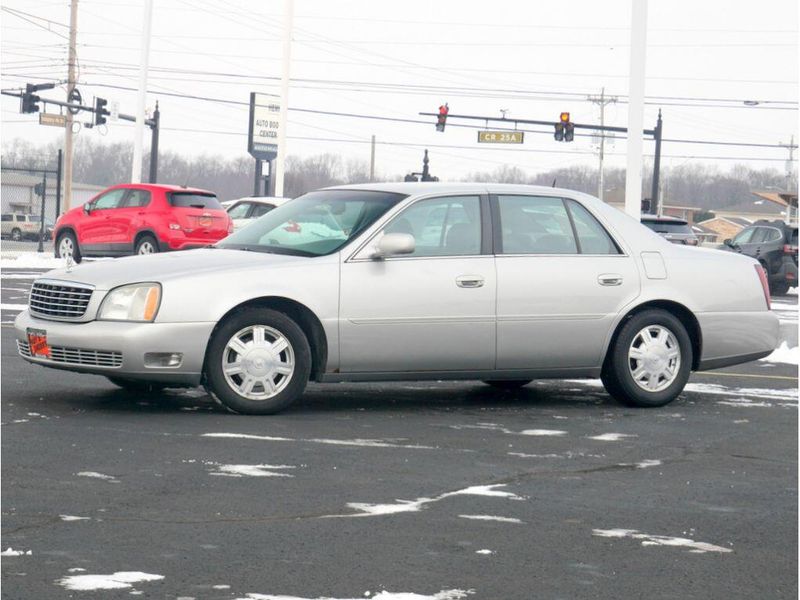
262, 138
501, 137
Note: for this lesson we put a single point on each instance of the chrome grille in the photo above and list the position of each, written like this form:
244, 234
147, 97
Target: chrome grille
58, 300
77, 356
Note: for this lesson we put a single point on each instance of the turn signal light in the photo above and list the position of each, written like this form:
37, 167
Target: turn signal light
151, 303
762, 276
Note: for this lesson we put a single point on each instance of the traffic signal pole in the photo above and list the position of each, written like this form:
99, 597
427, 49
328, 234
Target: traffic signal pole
71, 62
136, 167
654, 194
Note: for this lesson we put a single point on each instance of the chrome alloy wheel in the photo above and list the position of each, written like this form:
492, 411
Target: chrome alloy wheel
258, 362
654, 358
147, 247
66, 247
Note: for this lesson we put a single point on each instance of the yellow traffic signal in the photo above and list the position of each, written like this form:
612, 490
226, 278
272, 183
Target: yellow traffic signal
565, 117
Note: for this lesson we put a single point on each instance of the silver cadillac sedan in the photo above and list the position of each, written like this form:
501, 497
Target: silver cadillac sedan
404, 281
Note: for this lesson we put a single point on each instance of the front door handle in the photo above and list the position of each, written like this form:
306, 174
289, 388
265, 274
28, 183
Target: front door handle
469, 281
609, 279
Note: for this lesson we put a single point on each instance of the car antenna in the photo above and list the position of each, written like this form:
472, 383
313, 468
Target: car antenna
554, 182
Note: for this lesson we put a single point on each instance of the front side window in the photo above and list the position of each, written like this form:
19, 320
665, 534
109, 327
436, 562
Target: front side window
240, 210
535, 225
448, 226
593, 237
7, 217
744, 236
109, 200
314, 224
137, 199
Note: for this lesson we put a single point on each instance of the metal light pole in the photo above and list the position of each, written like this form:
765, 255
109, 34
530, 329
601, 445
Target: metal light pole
633, 173
138, 130
71, 62
280, 160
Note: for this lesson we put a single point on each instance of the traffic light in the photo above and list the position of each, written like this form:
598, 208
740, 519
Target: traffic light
646, 206
559, 134
29, 102
442, 119
100, 111
569, 132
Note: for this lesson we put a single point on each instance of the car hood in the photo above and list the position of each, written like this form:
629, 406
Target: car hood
107, 274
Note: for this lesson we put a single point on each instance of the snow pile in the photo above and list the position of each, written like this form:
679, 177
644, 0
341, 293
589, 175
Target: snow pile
118, 580
251, 470
31, 260
660, 540
11, 552
443, 595
784, 354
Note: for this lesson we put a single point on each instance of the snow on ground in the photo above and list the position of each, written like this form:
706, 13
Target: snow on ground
542, 432
484, 551
31, 260
73, 518
95, 475
403, 506
784, 354
251, 470
660, 540
14, 307
118, 580
611, 437
443, 595
490, 518
11, 552
332, 442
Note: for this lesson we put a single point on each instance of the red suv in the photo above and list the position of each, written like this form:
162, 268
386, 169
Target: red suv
141, 219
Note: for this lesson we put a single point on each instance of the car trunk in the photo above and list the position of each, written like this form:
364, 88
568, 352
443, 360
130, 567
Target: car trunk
199, 215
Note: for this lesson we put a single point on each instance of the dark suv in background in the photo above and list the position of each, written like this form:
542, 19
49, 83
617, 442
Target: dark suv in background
673, 229
774, 245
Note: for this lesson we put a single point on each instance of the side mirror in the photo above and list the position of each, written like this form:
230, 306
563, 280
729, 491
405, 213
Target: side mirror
87, 208
729, 243
392, 244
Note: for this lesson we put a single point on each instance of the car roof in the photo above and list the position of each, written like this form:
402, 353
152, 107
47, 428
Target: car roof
277, 200
430, 187
167, 187
664, 219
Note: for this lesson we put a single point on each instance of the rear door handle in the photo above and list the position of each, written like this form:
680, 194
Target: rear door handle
609, 279
469, 281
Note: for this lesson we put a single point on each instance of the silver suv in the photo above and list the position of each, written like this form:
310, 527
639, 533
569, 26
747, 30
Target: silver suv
18, 226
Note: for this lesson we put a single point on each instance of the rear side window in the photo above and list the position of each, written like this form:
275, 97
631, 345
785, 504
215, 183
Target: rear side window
137, 198
34, 218
773, 235
535, 225
188, 200
260, 210
593, 238
793, 239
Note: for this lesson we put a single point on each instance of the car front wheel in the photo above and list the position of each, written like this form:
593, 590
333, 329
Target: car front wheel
67, 245
651, 360
258, 362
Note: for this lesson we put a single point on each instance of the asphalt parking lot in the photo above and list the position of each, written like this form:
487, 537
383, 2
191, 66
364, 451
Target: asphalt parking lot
444, 490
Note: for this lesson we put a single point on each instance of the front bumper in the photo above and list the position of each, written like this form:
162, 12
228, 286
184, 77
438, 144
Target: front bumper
732, 338
118, 349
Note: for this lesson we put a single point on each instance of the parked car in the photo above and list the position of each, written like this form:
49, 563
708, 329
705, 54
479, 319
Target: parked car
774, 245
141, 219
524, 282
19, 226
677, 231
245, 210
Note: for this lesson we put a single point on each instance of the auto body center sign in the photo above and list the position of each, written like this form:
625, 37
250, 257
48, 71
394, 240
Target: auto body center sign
262, 139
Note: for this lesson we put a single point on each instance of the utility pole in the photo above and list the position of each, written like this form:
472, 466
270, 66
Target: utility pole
154, 132
280, 160
372, 160
789, 163
636, 77
602, 101
71, 63
138, 130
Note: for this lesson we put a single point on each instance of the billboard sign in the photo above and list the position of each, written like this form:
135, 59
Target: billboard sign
262, 138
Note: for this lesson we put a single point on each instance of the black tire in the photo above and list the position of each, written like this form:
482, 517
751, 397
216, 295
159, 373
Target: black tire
146, 244
16, 235
76, 250
780, 288
617, 377
134, 385
507, 384
217, 351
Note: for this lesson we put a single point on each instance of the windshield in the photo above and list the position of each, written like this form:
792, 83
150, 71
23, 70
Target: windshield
314, 224
189, 200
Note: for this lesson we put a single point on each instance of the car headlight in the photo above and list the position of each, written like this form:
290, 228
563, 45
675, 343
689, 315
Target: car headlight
135, 302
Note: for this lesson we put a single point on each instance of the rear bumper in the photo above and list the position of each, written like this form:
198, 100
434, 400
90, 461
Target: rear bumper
733, 338
173, 244
128, 342
787, 272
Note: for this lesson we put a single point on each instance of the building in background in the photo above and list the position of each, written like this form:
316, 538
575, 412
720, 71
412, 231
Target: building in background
18, 194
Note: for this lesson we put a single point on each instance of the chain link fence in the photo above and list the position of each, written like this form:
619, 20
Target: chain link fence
31, 201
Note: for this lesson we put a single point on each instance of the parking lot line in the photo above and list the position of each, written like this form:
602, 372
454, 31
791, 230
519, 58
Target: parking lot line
751, 375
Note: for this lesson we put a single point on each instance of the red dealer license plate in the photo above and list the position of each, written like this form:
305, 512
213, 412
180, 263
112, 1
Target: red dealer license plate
37, 340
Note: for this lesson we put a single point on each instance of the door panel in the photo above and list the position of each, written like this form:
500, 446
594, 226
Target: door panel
417, 315
557, 311
94, 229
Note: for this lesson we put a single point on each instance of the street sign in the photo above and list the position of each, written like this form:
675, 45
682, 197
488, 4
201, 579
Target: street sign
74, 97
262, 138
113, 110
52, 120
501, 137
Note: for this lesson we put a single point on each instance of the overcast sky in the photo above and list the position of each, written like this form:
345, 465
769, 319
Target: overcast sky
396, 59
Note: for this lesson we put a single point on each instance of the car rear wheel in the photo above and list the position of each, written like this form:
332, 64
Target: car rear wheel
258, 362
651, 360
133, 385
67, 245
509, 384
16, 234
780, 288
146, 245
